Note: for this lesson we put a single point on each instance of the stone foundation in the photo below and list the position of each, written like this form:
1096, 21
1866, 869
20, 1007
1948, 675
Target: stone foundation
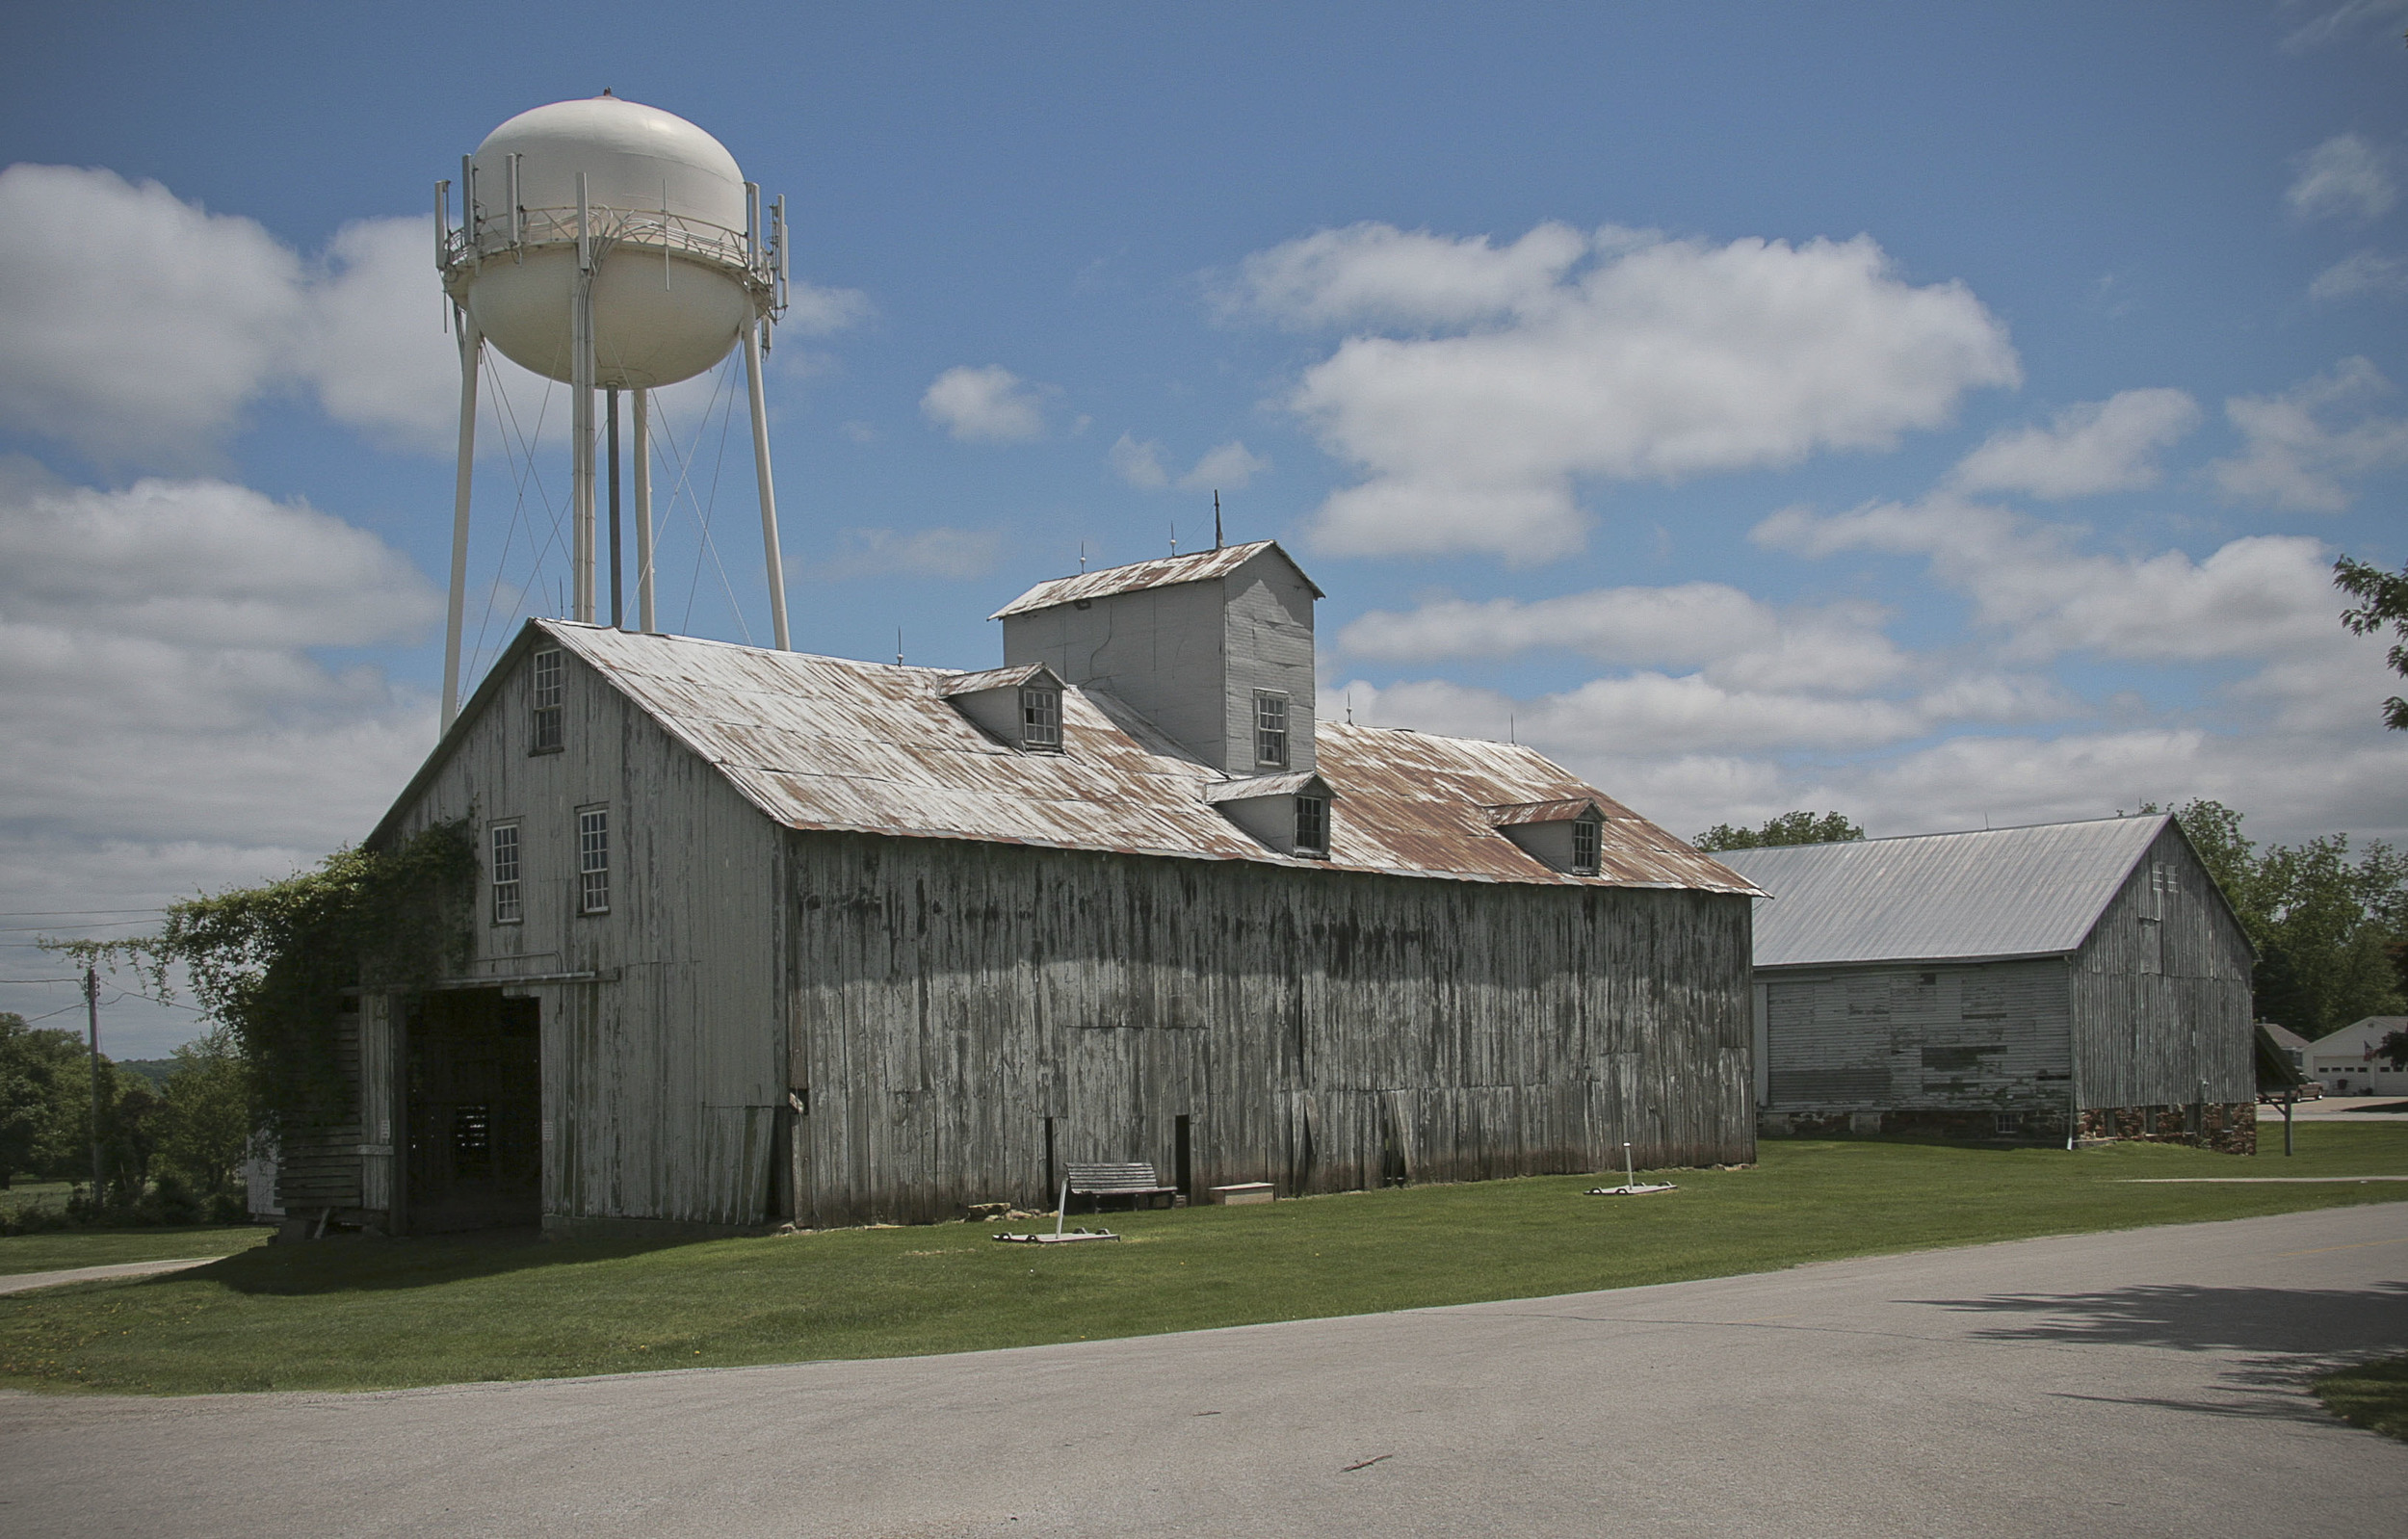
2228, 1127
1991, 1126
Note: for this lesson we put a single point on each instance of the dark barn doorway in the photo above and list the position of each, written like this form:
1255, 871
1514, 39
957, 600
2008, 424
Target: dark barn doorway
474, 1113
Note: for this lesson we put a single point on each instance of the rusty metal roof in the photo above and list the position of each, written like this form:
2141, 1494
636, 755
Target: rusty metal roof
1527, 812
1291, 785
1010, 678
1166, 572
820, 743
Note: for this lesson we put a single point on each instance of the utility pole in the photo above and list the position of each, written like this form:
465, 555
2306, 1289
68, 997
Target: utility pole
91, 1017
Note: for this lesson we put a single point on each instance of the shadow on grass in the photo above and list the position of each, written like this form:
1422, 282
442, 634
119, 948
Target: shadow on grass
360, 1263
2291, 1336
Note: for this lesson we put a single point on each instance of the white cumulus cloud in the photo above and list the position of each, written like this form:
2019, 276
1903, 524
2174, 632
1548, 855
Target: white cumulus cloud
2302, 449
991, 405
939, 553
2343, 177
1138, 463
138, 328
2096, 445
1614, 357
2361, 273
1225, 467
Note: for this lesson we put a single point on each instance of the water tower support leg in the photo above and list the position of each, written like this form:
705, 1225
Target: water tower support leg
641, 433
768, 493
470, 341
580, 449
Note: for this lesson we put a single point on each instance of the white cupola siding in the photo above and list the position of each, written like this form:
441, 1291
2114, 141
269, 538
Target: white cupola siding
1213, 649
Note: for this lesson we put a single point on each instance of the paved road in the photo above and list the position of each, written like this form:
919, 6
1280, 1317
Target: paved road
22, 1281
2135, 1384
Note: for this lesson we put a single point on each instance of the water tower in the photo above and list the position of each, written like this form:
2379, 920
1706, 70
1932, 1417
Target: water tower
616, 246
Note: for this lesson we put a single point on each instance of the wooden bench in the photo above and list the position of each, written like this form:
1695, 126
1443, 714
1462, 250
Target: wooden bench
1136, 1182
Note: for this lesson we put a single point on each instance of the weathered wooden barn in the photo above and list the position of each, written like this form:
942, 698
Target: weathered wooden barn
764, 935
2071, 981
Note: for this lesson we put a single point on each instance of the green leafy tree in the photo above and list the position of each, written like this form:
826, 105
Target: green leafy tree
2382, 602
2327, 928
205, 1124
1790, 828
271, 963
45, 1102
2394, 1049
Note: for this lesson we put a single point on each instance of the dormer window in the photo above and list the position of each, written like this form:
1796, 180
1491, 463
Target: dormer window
1020, 707
1270, 729
1312, 825
1287, 813
544, 735
1567, 836
1041, 718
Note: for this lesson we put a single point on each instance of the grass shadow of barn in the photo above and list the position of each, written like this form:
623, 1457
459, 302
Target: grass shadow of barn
368, 1263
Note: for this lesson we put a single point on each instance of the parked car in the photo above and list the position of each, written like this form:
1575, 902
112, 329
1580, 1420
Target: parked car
2311, 1090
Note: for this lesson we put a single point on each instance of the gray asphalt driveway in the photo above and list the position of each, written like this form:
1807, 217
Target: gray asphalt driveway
2134, 1384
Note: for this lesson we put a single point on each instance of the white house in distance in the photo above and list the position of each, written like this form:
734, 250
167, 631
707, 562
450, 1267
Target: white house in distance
2345, 1060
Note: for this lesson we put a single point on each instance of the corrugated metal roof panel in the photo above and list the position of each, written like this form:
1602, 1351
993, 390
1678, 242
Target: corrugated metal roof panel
1010, 678
1528, 812
1291, 785
1166, 572
827, 743
2005, 892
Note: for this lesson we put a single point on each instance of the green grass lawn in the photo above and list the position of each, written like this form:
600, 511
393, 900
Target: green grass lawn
23, 1194
360, 1314
61, 1249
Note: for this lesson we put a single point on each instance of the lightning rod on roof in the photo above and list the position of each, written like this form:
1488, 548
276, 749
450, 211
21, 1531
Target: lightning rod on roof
1174, 536
1216, 518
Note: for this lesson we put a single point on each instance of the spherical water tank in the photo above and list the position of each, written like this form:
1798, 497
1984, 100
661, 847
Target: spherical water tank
675, 282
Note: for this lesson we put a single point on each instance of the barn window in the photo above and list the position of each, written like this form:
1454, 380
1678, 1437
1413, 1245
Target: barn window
506, 906
545, 702
1270, 727
1585, 839
2010, 1122
1312, 825
593, 860
1040, 719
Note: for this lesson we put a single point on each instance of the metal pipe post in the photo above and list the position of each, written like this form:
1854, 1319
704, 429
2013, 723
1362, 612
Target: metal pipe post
642, 425
581, 416
471, 340
768, 493
609, 397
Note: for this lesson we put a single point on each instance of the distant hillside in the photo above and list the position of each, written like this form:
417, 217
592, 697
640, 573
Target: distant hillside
155, 1070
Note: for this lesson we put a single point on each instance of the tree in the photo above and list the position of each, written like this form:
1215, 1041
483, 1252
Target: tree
2393, 1048
1790, 828
2327, 928
205, 1125
2382, 600
45, 1101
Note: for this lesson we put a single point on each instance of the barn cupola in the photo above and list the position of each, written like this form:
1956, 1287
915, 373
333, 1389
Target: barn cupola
1213, 649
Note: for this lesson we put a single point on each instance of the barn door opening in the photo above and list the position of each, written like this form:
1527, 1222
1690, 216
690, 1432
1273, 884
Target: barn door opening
1183, 1158
473, 1112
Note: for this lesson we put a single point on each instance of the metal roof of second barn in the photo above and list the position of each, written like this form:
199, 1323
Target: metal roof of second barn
820, 743
1928, 898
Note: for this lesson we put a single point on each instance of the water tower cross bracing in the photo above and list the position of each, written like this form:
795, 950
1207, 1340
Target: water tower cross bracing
609, 246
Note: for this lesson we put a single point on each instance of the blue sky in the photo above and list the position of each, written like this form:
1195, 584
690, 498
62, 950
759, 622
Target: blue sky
1940, 413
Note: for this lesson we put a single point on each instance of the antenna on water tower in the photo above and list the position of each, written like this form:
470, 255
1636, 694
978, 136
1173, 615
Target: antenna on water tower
609, 246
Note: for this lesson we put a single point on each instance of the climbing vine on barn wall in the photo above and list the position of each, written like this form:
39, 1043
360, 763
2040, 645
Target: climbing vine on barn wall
272, 962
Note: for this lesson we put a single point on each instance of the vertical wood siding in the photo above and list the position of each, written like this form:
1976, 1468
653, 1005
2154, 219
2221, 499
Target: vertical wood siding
2160, 990
1986, 1036
661, 1078
1320, 1028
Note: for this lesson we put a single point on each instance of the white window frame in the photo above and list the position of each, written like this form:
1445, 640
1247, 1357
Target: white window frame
1588, 844
1318, 815
1271, 735
506, 854
593, 859
547, 689
1041, 718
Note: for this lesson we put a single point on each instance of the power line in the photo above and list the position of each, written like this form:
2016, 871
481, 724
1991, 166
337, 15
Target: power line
61, 913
